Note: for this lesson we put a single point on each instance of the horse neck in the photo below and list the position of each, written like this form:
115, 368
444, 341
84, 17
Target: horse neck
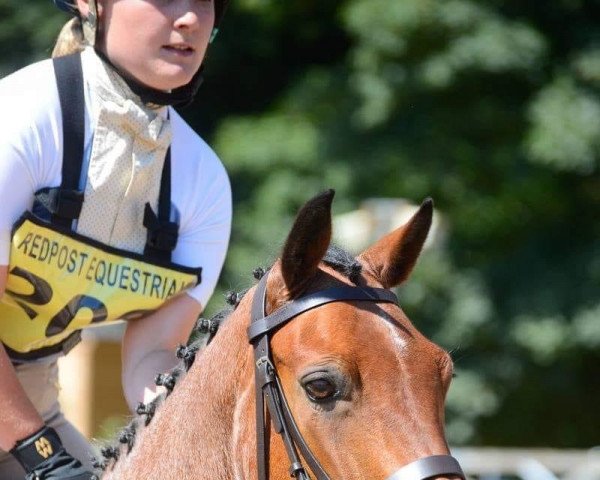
196, 429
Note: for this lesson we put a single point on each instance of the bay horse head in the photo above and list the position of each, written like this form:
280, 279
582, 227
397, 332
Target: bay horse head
336, 384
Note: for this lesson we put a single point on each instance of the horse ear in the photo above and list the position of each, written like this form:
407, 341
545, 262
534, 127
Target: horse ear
307, 242
393, 257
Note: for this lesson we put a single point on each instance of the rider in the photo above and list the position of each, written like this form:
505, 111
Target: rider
112, 208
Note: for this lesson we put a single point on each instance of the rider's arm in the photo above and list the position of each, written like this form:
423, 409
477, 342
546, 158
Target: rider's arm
18, 417
21, 427
150, 343
28, 129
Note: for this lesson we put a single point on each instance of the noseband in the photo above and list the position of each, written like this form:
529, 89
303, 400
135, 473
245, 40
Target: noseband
270, 392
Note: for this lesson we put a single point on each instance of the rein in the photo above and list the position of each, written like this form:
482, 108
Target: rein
269, 391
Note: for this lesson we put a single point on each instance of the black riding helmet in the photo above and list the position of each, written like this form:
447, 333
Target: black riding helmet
180, 96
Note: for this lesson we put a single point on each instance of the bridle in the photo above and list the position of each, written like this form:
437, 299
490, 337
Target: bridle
270, 392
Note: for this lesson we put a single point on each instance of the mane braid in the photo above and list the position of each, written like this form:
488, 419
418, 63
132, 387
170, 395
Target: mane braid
187, 355
127, 435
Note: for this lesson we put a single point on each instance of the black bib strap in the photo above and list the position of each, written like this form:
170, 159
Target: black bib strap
162, 234
63, 204
69, 78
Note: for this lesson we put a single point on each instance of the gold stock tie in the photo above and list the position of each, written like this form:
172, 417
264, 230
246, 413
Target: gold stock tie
128, 151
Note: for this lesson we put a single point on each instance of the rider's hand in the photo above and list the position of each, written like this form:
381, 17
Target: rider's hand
43, 457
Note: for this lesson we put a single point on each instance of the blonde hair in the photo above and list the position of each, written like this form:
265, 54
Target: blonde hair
70, 39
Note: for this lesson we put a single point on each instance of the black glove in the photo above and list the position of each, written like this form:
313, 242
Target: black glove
43, 457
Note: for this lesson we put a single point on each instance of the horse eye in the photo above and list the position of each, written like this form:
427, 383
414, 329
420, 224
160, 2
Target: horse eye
320, 389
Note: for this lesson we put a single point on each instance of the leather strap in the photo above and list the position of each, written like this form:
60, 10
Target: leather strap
261, 349
261, 325
162, 233
312, 461
269, 394
69, 81
428, 467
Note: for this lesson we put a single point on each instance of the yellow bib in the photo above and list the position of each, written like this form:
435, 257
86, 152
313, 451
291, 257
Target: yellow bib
60, 282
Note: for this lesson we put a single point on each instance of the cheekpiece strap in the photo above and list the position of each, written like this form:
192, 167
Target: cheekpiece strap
270, 397
261, 355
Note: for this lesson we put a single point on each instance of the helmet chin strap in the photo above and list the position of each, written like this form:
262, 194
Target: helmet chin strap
180, 97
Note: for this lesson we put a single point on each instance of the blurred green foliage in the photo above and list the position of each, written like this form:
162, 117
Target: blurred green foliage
492, 108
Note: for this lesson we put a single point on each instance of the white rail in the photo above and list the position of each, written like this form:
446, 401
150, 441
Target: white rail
529, 464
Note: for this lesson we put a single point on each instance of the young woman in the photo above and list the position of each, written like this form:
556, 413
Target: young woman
112, 208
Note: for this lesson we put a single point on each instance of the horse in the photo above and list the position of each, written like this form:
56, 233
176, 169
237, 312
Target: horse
316, 373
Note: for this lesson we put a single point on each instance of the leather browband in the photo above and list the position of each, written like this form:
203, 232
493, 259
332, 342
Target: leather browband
260, 326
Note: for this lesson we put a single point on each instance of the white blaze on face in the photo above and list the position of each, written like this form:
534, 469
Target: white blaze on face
398, 342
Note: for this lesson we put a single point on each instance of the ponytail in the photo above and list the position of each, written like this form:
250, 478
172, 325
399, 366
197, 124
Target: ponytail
70, 39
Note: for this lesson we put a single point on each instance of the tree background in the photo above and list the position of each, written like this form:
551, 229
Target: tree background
491, 107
